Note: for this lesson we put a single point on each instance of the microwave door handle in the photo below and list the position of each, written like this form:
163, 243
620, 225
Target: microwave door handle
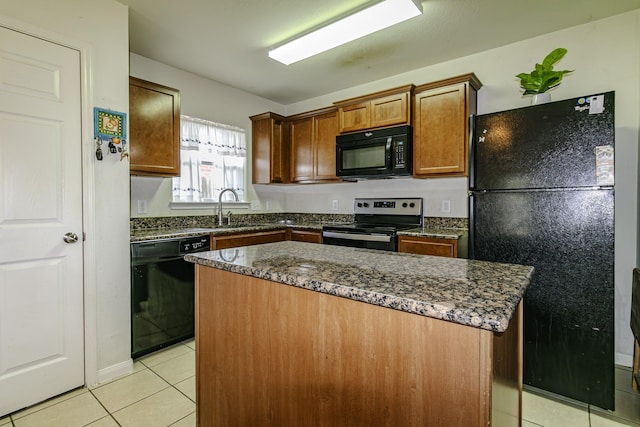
390, 152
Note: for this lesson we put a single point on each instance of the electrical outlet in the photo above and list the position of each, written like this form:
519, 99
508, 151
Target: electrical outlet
446, 206
334, 205
255, 205
142, 206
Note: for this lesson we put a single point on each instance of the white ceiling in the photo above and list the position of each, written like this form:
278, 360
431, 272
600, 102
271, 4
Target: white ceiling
227, 40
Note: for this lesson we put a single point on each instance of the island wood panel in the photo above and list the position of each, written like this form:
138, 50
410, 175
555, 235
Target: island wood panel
428, 246
247, 239
272, 354
506, 390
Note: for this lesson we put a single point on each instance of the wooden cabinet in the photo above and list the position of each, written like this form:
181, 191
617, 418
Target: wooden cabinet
269, 137
428, 246
247, 239
308, 236
367, 365
301, 137
312, 139
441, 126
381, 109
154, 127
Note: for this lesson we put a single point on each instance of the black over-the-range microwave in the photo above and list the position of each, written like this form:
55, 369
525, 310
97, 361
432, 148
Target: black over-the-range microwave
380, 153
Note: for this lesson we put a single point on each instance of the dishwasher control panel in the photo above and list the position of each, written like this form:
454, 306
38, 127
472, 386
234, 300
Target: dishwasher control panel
194, 244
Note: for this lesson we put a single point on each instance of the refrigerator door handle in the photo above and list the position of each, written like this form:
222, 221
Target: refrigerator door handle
472, 233
472, 125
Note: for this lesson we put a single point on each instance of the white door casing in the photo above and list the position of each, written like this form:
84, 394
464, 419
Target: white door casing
41, 276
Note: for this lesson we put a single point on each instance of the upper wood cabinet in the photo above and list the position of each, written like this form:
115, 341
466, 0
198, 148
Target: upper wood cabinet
154, 127
313, 146
441, 126
269, 137
381, 109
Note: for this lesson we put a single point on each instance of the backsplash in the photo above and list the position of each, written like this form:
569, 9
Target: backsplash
210, 221
446, 222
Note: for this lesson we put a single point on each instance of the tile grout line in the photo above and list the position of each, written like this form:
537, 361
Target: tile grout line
108, 412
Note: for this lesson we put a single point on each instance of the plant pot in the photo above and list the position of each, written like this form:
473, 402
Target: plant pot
541, 98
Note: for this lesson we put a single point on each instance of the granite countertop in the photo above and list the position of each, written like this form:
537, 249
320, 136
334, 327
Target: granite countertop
473, 293
438, 233
168, 233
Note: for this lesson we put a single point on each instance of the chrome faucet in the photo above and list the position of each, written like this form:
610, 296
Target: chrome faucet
220, 202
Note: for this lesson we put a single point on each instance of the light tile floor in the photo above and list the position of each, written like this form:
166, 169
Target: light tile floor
161, 393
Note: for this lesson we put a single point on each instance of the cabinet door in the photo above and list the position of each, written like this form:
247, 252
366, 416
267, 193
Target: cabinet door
354, 117
302, 159
279, 152
261, 150
325, 131
390, 110
441, 134
428, 246
270, 153
154, 127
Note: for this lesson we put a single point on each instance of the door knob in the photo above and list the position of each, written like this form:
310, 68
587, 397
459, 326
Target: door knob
70, 238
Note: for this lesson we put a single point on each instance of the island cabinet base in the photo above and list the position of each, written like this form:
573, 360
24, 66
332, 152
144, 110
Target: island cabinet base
269, 354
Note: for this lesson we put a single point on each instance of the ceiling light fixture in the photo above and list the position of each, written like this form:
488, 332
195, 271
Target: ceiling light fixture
351, 27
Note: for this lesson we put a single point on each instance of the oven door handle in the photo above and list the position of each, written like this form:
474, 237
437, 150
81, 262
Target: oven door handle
362, 237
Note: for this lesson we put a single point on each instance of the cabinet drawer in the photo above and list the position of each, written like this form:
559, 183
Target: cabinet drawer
428, 246
305, 236
248, 239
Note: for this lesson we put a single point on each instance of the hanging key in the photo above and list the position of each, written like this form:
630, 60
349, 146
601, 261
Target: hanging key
99, 149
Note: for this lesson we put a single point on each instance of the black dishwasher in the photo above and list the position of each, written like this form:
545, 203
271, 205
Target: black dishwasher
162, 292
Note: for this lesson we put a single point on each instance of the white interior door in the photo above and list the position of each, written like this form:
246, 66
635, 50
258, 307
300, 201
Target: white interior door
41, 277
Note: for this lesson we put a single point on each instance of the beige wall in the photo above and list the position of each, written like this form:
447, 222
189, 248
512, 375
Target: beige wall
605, 55
99, 28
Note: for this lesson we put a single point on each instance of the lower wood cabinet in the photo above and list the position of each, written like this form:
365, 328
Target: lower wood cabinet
247, 239
308, 236
428, 246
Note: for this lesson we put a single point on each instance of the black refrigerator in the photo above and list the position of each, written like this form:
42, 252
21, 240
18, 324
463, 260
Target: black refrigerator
542, 194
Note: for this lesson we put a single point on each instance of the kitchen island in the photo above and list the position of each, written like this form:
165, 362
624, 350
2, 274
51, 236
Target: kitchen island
300, 334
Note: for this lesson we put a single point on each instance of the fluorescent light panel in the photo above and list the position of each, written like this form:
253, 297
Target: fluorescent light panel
352, 27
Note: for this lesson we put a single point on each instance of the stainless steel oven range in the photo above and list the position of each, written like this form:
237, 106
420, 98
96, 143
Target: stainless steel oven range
376, 223
162, 292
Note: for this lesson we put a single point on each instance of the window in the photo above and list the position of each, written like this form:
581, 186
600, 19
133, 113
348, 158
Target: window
212, 158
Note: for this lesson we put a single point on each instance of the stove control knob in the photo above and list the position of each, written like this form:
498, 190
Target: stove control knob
359, 204
366, 205
412, 205
404, 205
